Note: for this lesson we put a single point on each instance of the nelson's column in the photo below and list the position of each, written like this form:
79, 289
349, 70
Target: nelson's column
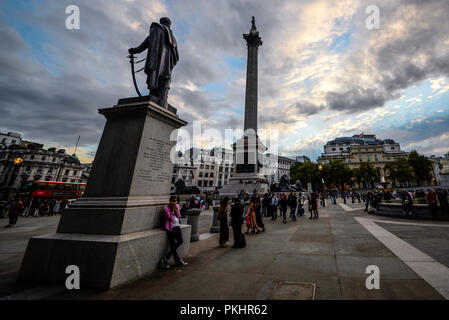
249, 150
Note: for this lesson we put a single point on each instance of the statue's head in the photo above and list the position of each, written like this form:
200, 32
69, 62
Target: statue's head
165, 21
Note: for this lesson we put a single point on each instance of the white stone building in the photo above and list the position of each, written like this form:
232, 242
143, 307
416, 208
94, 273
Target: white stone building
208, 169
38, 164
10, 138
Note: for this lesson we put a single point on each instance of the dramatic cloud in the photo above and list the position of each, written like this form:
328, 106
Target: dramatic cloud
322, 73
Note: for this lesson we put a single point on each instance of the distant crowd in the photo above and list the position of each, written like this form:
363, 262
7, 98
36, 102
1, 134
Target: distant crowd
33, 207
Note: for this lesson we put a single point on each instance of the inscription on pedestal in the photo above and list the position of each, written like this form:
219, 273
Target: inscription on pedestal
157, 155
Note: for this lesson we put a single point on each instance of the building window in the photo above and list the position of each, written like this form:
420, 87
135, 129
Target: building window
392, 148
13, 141
200, 183
212, 167
206, 174
211, 174
66, 172
210, 183
201, 166
201, 174
50, 170
39, 169
43, 158
368, 158
367, 150
376, 158
360, 159
54, 159
32, 157
226, 169
173, 179
207, 167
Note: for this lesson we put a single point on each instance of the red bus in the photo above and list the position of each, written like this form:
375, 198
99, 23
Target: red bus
51, 189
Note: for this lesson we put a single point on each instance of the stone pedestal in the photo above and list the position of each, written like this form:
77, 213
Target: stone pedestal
113, 233
193, 216
215, 228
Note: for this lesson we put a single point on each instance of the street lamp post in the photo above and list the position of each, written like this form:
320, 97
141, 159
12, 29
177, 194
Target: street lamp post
17, 161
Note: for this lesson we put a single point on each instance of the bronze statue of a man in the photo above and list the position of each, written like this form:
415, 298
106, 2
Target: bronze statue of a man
162, 56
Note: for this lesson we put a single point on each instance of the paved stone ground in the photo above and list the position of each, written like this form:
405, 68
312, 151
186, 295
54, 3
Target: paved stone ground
332, 253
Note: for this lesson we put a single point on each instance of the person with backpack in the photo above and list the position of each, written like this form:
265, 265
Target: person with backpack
171, 217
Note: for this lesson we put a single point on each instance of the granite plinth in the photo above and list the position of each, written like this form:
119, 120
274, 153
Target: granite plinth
104, 261
113, 233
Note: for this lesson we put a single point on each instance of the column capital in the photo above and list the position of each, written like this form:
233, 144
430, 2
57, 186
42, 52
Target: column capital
253, 39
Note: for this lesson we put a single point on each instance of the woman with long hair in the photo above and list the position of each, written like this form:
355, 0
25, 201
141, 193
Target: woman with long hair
172, 217
223, 212
251, 221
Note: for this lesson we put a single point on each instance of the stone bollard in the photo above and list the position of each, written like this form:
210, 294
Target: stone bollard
215, 222
193, 218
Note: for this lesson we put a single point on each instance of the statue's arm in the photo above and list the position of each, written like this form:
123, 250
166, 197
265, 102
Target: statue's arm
142, 47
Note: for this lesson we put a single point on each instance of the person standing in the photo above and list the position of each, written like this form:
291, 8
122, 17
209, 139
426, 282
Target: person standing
314, 204
251, 222
236, 223
283, 203
14, 212
273, 207
265, 203
171, 217
223, 212
292, 202
258, 212
433, 203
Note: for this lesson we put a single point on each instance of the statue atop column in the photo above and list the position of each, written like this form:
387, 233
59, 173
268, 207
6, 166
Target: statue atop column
162, 57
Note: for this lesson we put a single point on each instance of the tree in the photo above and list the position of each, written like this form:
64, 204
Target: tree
306, 172
337, 173
366, 174
399, 171
422, 167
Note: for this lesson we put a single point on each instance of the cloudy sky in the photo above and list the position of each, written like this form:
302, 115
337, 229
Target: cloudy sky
322, 72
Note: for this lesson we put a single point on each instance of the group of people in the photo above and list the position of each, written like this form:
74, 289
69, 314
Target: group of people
32, 207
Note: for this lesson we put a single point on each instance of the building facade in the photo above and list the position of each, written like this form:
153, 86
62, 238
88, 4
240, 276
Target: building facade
10, 138
208, 169
275, 170
37, 163
362, 148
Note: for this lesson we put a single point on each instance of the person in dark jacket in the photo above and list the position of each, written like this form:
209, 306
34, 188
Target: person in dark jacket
236, 223
283, 204
314, 205
292, 203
